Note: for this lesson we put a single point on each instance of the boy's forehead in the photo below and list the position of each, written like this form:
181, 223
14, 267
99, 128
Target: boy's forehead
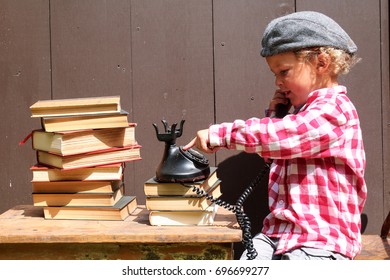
280, 59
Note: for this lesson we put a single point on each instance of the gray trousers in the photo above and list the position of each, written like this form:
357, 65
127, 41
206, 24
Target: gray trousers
266, 246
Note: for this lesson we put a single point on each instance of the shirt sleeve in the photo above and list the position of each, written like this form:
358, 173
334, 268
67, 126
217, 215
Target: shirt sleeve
317, 131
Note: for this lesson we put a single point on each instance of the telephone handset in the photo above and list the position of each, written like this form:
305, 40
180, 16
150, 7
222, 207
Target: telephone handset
282, 110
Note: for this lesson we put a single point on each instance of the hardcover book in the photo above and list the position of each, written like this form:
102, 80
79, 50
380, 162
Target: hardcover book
42, 173
79, 106
102, 157
182, 203
77, 199
184, 218
82, 141
80, 122
103, 186
117, 212
154, 188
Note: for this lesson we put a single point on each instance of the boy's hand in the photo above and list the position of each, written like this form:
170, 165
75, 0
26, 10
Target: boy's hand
278, 98
201, 142
279, 105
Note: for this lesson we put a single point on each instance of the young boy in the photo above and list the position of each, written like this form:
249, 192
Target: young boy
316, 184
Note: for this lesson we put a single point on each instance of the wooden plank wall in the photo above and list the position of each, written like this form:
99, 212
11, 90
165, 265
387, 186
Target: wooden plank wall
172, 59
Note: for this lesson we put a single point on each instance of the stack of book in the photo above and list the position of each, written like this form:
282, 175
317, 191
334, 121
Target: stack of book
82, 150
178, 205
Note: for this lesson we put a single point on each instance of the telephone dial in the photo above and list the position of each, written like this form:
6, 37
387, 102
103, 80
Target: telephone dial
183, 166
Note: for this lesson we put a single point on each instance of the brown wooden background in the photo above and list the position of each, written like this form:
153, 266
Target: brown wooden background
173, 59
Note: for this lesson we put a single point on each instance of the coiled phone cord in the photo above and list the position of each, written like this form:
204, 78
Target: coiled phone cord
242, 218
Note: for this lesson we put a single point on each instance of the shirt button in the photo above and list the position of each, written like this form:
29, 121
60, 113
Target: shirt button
281, 201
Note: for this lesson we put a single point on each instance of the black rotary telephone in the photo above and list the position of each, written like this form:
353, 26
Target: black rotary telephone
183, 166
177, 164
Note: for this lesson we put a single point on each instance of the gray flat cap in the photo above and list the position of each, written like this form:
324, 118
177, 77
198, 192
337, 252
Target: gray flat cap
302, 30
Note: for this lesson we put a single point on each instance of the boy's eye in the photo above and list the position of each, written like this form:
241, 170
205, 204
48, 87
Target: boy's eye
283, 72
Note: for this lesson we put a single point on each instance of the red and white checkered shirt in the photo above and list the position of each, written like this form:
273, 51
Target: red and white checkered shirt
316, 185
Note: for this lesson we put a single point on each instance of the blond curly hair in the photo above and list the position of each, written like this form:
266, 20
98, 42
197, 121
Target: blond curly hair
341, 61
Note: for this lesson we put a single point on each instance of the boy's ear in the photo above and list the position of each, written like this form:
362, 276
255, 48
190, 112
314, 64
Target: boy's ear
323, 62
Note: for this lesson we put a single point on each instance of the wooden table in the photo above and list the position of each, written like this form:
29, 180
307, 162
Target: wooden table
374, 248
25, 234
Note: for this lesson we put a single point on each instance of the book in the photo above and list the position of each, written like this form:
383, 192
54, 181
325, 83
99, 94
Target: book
182, 203
96, 158
79, 122
117, 212
154, 188
79, 106
184, 218
41, 173
105, 186
77, 199
82, 141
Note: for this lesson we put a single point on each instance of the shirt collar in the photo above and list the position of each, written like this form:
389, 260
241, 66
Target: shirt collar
318, 92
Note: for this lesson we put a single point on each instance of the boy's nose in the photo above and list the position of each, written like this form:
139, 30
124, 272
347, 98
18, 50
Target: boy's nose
278, 82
